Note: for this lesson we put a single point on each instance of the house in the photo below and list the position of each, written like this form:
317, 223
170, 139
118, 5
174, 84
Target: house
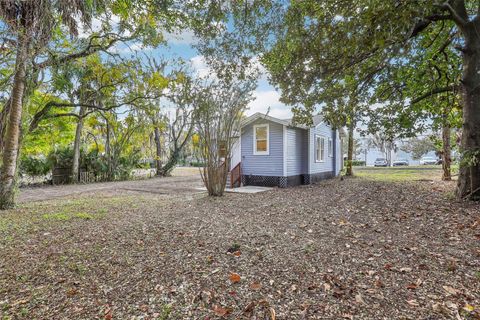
276, 152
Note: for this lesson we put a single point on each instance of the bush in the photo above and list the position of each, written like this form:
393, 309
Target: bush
197, 164
358, 163
93, 162
61, 157
34, 166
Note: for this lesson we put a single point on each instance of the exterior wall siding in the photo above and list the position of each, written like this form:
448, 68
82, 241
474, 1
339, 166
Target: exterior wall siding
326, 166
263, 165
291, 158
297, 151
338, 153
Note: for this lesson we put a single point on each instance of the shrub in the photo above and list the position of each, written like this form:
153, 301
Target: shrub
61, 157
34, 166
197, 164
358, 163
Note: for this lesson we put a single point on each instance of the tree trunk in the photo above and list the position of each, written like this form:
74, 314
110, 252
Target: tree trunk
12, 132
469, 177
76, 145
108, 153
171, 163
351, 127
446, 152
3, 123
158, 148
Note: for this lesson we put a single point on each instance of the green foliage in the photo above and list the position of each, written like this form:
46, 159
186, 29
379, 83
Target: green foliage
34, 166
358, 163
470, 158
61, 157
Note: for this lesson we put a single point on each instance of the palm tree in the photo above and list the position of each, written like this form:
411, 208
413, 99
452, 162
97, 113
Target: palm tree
31, 23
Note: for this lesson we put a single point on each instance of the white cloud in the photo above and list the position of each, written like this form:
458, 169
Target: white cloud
269, 101
123, 48
200, 66
184, 37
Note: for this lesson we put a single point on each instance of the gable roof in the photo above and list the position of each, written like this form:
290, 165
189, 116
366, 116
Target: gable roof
258, 115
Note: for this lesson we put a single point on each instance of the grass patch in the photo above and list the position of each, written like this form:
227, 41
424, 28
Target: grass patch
400, 174
84, 216
61, 216
65, 216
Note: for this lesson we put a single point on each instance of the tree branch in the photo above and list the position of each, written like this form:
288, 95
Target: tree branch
91, 48
458, 14
434, 92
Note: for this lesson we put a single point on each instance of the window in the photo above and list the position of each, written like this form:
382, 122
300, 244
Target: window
319, 149
260, 139
330, 147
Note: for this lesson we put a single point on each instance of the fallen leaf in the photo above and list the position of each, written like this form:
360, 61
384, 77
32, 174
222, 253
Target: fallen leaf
468, 308
19, 302
412, 286
108, 314
379, 284
359, 299
237, 253
71, 292
255, 286
450, 290
249, 307
221, 312
451, 305
413, 303
234, 277
272, 314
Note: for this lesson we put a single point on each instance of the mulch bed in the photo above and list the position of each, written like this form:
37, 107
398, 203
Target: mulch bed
352, 249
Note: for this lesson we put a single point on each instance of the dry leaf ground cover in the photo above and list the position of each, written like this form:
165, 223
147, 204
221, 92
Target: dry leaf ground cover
354, 249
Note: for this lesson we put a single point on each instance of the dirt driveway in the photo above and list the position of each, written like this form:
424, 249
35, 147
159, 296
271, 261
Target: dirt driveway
183, 181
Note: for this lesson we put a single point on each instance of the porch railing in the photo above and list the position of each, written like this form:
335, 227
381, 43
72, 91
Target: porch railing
236, 176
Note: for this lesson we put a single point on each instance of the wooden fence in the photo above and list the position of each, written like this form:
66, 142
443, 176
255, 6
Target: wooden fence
90, 177
64, 176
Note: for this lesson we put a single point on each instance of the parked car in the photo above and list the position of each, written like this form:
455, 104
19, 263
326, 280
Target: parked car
381, 162
428, 160
400, 162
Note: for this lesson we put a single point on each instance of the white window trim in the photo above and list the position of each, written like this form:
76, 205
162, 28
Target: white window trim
261, 153
330, 150
315, 148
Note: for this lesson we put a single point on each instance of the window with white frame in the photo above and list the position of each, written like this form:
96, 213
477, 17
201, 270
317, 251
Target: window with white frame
260, 139
330, 147
319, 149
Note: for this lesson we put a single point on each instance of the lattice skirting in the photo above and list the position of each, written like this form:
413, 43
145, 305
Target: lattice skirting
283, 182
264, 181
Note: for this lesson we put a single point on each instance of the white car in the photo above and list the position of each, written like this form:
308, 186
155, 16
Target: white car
428, 160
381, 162
400, 162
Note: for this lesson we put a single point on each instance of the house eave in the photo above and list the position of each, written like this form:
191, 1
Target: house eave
259, 115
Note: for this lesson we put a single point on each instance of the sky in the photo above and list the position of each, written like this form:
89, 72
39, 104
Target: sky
180, 46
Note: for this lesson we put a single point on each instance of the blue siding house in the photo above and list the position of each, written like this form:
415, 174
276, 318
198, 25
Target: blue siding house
276, 152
